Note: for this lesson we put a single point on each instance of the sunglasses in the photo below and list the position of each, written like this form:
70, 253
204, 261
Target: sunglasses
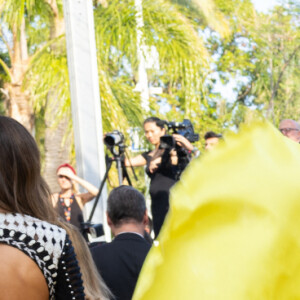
62, 176
287, 130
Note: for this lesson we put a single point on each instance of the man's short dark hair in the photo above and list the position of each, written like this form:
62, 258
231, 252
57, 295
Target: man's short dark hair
212, 134
125, 204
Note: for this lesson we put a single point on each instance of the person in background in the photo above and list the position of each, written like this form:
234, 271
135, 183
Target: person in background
68, 202
291, 129
120, 261
211, 140
162, 168
36, 255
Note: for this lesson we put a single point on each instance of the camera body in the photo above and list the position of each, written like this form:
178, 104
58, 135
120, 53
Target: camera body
168, 142
114, 141
184, 128
95, 230
114, 138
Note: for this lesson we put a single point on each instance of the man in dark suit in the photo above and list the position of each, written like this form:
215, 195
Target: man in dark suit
120, 261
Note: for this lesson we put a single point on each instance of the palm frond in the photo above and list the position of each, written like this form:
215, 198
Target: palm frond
209, 10
5, 68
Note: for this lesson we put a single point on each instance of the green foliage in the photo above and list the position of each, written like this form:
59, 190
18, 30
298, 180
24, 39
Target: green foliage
182, 55
194, 39
277, 67
14, 11
262, 56
4, 67
49, 71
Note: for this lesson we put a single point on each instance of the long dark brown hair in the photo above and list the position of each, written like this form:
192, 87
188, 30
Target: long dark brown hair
94, 286
22, 188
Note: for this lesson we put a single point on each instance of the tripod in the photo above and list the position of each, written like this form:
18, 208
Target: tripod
118, 157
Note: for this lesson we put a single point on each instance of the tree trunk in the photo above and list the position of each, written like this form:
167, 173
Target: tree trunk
57, 143
17, 102
18, 105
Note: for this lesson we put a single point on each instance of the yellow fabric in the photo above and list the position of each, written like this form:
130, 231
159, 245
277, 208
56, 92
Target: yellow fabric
233, 231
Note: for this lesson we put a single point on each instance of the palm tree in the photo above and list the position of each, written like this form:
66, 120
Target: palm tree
183, 58
26, 27
57, 142
36, 47
13, 36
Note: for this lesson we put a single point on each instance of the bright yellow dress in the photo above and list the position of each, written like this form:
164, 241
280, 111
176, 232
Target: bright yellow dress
233, 230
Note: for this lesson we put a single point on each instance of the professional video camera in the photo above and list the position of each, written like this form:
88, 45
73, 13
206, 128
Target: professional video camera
184, 128
114, 138
168, 142
114, 141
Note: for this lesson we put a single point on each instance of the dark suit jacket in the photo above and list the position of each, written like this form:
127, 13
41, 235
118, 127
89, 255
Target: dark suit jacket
120, 263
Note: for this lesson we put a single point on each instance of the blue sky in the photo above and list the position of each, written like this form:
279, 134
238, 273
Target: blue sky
264, 5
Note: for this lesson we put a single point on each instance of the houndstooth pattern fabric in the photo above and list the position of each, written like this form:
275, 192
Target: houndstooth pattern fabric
40, 240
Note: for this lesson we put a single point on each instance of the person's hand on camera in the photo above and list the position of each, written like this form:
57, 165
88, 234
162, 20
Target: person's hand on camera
174, 157
154, 164
183, 142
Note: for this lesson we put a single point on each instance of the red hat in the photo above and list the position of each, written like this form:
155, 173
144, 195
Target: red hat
66, 166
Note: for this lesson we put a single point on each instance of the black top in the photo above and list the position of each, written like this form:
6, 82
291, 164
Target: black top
161, 182
72, 213
120, 263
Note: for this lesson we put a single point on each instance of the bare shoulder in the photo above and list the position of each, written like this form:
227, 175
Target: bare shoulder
17, 272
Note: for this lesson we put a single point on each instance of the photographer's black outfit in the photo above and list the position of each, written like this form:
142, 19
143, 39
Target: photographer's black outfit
161, 182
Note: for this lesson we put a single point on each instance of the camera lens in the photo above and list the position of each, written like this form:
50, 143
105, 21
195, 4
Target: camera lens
113, 138
167, 142
109, 140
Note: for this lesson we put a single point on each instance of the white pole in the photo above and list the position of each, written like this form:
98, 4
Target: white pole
85, 96
142, 85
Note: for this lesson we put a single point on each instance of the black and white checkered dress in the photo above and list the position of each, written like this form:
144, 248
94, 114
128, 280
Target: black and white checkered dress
49, 246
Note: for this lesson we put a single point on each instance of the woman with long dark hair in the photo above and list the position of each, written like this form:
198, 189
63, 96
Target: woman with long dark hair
36, 255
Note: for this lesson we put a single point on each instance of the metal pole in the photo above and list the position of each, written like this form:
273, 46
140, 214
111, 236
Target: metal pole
119, 168
85, 96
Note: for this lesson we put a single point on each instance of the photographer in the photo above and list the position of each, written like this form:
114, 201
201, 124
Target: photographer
162, 167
